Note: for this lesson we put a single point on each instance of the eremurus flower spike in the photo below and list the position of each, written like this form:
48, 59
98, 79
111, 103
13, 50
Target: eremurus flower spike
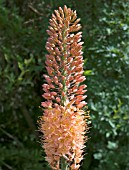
63, 122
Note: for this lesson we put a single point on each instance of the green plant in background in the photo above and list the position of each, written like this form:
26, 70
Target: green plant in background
23, 27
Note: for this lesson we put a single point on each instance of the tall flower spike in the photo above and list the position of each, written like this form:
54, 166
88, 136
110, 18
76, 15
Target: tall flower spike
64, 122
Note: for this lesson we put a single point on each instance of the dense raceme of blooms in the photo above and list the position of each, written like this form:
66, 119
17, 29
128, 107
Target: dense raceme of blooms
64, 122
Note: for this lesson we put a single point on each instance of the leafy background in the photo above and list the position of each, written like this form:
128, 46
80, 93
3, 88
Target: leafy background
23, 25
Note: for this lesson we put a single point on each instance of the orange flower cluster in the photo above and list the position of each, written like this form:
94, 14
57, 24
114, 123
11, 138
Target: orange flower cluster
63, 122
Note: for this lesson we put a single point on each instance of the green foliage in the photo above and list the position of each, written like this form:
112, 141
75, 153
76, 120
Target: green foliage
22, 53
108, 88
24, 158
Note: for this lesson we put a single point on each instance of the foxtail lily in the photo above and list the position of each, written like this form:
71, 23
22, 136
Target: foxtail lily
63, 123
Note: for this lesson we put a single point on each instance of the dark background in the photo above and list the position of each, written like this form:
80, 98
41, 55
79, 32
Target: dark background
23, 25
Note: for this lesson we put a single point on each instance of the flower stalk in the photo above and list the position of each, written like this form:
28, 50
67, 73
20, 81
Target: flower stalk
64, 122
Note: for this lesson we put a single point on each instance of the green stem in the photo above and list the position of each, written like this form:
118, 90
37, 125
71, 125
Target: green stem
63, 164
63, 69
